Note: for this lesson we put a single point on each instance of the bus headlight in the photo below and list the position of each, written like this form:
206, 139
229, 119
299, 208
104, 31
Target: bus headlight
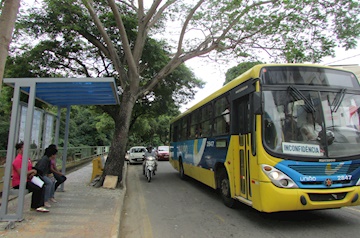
277, 177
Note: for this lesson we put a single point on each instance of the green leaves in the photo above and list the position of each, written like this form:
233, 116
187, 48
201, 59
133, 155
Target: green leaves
287, 30
236, 71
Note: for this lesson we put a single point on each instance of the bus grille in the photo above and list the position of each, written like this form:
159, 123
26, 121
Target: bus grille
321, 170
344, 182
317, 197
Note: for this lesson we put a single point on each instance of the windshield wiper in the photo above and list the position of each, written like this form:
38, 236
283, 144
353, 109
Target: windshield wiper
309, 106
337, 100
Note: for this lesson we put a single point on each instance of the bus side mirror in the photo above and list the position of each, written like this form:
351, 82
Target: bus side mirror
257, 103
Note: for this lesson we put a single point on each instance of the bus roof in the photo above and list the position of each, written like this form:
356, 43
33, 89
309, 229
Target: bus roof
251, 73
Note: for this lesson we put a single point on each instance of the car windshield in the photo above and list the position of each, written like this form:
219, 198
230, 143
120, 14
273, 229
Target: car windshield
163, 148
311, 124
137, 150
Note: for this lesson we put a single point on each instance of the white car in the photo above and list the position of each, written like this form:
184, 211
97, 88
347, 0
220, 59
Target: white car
136, 154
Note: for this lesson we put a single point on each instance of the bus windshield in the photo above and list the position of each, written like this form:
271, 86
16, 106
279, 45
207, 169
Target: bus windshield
312, 76
311, 124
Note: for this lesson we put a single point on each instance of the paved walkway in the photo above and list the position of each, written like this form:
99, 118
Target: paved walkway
82, 211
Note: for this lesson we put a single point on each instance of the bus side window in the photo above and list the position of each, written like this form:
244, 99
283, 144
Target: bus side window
175, 133
192, 133
206, 128
183, 129
198, 132
240, 123
222, 116
205, 117
195, 124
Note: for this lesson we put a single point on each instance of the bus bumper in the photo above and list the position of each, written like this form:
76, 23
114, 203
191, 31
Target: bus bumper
276, 199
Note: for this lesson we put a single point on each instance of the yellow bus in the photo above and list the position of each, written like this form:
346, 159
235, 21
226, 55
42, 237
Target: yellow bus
280, 137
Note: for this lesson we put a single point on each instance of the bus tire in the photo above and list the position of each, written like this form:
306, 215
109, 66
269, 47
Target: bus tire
181, 170
225, 189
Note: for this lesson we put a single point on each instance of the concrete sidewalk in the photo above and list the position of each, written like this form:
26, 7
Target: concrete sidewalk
81, 211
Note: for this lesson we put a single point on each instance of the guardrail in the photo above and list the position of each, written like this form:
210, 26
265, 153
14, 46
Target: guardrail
76, 156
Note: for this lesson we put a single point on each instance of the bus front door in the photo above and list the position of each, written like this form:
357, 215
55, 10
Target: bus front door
244, 171
242, 117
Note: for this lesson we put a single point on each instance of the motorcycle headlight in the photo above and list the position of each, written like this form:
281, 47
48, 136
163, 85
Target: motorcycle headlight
150, 158
277, 177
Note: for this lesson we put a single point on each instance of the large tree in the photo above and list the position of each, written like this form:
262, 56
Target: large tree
9, 10
197, 28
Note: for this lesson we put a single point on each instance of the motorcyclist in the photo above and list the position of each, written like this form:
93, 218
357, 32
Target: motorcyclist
149, 152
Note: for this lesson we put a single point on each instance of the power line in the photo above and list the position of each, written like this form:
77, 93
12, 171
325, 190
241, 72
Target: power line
343, 59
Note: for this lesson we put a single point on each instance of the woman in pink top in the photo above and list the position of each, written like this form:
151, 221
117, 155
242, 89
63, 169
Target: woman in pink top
37, 199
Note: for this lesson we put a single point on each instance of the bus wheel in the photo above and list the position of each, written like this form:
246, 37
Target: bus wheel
181, 170
225, 190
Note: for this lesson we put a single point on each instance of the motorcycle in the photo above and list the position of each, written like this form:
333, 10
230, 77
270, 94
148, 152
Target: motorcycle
149, 167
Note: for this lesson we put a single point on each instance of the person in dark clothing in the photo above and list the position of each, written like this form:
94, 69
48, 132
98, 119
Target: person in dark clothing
43, 167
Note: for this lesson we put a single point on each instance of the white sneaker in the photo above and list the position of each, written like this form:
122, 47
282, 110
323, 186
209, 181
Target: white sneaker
42, 209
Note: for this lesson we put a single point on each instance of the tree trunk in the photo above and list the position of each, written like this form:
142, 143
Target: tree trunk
116, 157
7, 23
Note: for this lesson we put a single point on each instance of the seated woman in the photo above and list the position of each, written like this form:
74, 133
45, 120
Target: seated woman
38, 194
59, 177
310, 130
43, 168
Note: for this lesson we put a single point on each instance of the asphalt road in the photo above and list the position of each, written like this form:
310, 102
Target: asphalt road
169, 207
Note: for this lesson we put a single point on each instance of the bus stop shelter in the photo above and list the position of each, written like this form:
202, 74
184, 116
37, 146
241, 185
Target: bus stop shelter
59, 92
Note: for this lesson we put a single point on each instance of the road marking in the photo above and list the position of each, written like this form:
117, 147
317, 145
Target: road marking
353, 209
146, 221
218, 217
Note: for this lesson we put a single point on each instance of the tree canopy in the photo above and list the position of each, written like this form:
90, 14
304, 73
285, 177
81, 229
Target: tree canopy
238, 70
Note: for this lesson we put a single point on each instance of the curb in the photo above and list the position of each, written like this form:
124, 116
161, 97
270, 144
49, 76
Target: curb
115, 233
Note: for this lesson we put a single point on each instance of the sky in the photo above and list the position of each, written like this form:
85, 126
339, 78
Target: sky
214, 73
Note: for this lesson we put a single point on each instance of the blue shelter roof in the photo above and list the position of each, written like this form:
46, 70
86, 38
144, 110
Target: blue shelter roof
70, 91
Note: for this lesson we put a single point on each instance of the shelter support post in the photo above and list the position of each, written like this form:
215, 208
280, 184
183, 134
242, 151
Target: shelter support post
66, 138
18, 216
